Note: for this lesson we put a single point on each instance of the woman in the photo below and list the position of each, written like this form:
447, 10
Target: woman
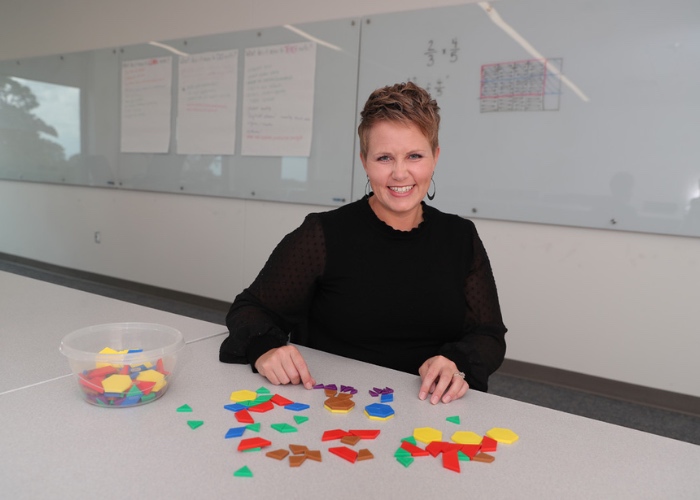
386, 279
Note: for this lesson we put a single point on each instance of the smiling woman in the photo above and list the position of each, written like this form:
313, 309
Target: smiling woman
387, 279
399, 150
399, 165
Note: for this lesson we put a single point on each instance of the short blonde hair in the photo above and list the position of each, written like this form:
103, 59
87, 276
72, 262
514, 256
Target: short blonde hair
405, 103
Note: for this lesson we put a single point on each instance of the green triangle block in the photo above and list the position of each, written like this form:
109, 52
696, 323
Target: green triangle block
405, 461
148, 397
283, 427
183, 408
462, 457
247, 403
300, 419
410, 439
195, 423
402, 453
251, 449
454, 420
262, 398
243, 472
263, 390
253, 427
134, 391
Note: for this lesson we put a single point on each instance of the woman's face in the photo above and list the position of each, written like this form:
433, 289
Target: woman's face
399, 164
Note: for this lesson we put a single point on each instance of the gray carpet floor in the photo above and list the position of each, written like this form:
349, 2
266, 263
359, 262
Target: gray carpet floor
666, 423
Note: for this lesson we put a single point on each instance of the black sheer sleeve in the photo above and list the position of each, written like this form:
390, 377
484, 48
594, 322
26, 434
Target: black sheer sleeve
264, 314
482, 348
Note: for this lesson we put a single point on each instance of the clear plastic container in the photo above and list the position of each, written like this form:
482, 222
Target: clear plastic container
119, 365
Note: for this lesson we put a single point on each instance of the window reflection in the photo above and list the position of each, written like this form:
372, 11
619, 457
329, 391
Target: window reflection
39, 128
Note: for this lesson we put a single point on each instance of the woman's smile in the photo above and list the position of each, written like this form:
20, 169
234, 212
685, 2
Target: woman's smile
399, 164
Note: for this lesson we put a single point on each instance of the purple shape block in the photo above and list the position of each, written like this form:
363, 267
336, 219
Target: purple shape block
331, 387
319, 386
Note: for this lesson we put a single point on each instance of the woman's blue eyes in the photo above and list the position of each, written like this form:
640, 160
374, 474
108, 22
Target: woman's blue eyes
414, 156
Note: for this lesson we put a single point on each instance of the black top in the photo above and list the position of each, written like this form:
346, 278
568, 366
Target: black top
345, 282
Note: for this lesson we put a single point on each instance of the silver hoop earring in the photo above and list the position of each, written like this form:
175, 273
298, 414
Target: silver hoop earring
431, 197
368, 188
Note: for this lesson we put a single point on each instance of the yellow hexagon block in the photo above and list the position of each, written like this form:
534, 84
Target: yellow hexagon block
238, 396
332, 410
502, 435
150, 376
109, 350
153, 376
381, 419
117, 383
427, 434
466, 437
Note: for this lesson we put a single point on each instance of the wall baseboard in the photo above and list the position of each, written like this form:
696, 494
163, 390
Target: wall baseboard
164, 293
631, 393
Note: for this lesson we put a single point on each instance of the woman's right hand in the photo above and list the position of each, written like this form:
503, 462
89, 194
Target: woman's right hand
284, 365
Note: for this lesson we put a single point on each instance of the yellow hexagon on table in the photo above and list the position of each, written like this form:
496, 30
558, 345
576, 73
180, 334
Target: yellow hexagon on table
372, 417
335, 410
502, 435
117, 383
466, 437
427, 434
238, 396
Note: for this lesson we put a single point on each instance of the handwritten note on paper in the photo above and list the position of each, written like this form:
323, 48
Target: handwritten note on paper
206, 119
278, 100
146, 105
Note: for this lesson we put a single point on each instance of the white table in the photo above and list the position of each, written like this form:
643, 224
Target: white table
57, 446
35, 316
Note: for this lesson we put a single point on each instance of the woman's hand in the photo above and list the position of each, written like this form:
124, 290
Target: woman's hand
442, 379
284, 365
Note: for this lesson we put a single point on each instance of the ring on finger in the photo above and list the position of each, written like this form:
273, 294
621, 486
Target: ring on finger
460, 375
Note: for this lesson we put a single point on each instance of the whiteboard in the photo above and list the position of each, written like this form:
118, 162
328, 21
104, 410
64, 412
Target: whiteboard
89, 82
616, 145
570, 112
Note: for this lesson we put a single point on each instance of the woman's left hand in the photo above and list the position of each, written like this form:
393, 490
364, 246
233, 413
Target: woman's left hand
441, 378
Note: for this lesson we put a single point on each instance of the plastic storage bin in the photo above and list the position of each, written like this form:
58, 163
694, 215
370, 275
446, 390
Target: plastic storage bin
119, 365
